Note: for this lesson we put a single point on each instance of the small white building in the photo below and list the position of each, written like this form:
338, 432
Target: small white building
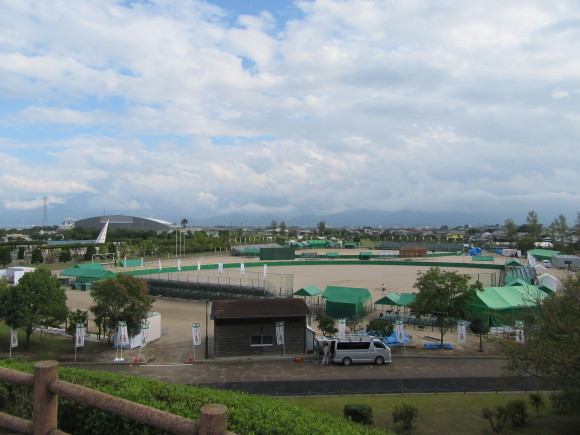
154, 333
13, 274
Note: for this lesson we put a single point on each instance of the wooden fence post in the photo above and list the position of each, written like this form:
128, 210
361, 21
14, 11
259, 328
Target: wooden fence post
213, 419
45, 411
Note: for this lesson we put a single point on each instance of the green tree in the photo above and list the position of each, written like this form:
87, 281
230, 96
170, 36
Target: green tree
321, 228
273, 226
122, 298
381, 327
74, 317
5, 256
184, 222
551, 350
91, 250
326, 324
37, 301
111, 248
560, 228
533, 225
511, 230
283, 228
480, 327
445, 295
21, 252
526, 243
64, 256
37, 257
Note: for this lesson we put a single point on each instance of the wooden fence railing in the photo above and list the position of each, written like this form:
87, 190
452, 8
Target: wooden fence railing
47, 387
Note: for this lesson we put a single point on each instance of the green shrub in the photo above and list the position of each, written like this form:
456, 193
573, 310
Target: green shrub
497, 417
537, 402
517, 410
405, 414
565, 401
246, 413
358, 413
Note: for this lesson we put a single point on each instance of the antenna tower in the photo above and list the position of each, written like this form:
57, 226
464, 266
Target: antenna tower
45, 214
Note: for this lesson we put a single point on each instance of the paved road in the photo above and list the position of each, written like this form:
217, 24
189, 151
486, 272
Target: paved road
287, 377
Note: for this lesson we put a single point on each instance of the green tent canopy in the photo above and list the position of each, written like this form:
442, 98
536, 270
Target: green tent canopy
310, 290
515, 281
251, 252
501, 306
513, 262
345, 301
399, 299
87, 275
543, 254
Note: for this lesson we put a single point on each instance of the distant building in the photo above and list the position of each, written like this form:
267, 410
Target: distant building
125, 222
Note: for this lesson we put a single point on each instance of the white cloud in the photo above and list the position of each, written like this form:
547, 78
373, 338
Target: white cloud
359, 104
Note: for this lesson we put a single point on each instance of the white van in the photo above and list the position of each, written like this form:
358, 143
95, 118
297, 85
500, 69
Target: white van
354, 349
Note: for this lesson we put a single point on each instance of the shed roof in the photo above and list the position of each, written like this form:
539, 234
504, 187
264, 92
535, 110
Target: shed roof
400, 299
256, 308
346, 294
89, 266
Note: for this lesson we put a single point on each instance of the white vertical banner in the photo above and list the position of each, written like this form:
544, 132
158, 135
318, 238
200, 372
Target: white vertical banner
400, 329
144, 334
220, 268
125, 261
198, 265
279, 333
123, 336
342, 328
80, 335
142, 262
160, 264
179, 264
265, 270
461, 332
520, 337
196, 333
242, 269
13, 338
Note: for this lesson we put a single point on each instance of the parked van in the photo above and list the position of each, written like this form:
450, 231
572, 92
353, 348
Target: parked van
354, 349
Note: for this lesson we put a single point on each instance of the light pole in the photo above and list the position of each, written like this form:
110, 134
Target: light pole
206, 329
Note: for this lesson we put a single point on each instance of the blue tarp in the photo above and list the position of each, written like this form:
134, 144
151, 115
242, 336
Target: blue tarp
438, 346
474, 251
391, 340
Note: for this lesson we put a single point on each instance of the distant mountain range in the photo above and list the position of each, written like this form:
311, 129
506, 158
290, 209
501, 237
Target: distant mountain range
354, 218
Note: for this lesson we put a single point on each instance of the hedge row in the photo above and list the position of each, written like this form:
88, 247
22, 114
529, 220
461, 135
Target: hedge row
247, 414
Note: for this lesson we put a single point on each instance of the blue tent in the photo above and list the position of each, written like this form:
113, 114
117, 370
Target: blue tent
391, 340
474, 251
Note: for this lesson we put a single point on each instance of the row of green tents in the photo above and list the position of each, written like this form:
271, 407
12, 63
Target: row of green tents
499, 305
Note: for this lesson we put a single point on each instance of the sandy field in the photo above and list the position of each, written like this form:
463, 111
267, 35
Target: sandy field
175, 344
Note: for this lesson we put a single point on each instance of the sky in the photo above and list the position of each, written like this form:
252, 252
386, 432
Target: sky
190, 109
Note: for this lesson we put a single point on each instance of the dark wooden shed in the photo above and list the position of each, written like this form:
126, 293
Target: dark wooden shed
247, 327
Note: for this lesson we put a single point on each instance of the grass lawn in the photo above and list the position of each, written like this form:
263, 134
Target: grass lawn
45, 347
448, 413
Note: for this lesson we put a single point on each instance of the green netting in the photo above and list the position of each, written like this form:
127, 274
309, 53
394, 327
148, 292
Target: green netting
130, 263
482, 258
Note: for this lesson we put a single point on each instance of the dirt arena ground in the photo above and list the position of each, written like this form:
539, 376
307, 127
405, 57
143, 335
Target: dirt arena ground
175, 344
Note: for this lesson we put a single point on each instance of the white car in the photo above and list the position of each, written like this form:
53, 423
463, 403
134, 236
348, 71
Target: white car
546, 264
